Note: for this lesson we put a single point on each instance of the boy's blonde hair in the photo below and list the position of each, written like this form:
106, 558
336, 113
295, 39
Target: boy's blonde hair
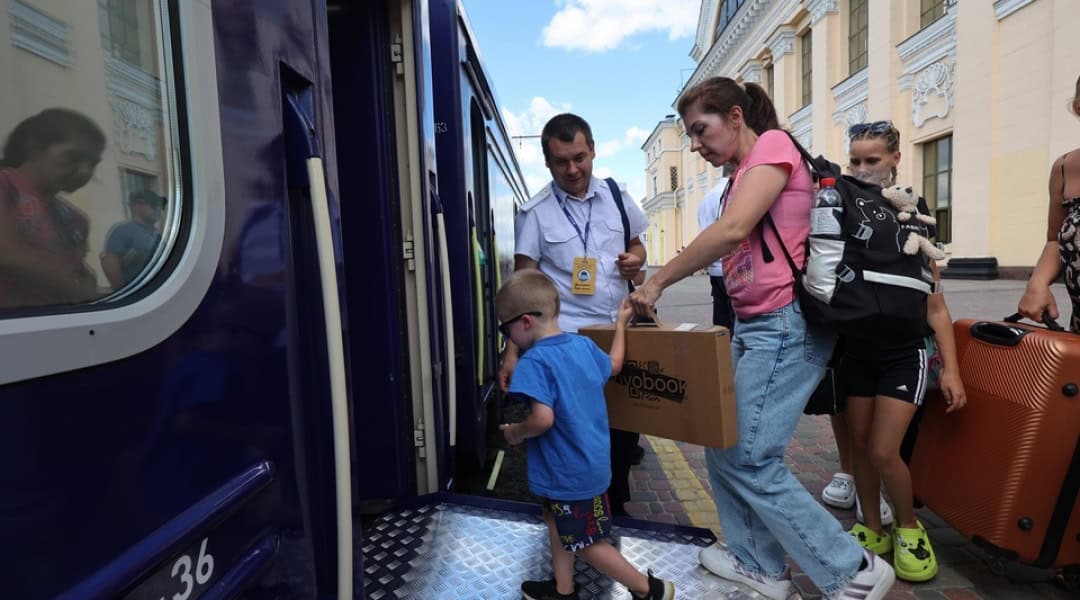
527, 290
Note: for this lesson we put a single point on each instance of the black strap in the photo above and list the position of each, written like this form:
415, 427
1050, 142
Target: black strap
1063, 174
810, 161
791, 262
723, 198
617, 195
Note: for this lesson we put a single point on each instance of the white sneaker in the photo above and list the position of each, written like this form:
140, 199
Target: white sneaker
871, 582
840, 493
724, 564
886, 511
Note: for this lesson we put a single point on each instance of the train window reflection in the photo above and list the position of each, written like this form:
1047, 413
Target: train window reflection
87, 183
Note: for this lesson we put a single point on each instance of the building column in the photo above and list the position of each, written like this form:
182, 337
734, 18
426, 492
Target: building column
825, 25
884, 22
973, 131
782, 47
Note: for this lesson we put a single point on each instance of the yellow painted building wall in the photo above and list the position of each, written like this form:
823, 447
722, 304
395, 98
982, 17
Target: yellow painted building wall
994, 75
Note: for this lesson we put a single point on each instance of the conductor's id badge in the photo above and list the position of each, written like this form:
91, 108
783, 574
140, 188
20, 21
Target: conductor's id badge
583, 276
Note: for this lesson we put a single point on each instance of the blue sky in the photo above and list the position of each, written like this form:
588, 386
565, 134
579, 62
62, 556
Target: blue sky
617, 63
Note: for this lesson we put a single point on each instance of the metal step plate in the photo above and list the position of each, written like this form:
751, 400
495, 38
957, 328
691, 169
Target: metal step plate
451, 551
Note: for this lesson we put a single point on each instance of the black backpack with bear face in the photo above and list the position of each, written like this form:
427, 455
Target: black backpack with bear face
862, 284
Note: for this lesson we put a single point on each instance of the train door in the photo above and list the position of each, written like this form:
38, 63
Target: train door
380, 61
484, 261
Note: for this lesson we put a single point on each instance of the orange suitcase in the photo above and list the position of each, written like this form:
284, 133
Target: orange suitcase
1005, 470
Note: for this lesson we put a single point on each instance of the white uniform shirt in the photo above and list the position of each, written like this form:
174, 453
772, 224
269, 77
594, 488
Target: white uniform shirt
707, 214
543, 233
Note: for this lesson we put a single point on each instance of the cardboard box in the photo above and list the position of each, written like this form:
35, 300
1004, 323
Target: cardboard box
676, 383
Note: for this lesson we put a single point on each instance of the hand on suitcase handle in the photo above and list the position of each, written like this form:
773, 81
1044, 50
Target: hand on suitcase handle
1047, 320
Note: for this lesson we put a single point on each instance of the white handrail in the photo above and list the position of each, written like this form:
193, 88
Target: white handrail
451, 360
335, 354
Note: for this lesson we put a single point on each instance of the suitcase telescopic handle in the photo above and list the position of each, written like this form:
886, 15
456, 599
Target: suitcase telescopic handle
999, 334
1047, 320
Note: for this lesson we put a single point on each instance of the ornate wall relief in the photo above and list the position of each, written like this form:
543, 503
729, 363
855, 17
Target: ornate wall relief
932, 95
929, 59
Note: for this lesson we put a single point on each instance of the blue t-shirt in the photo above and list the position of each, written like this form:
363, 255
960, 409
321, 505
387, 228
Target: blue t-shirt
572, 460
134, 244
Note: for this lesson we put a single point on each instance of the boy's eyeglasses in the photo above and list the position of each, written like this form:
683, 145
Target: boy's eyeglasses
876, 128
504, 327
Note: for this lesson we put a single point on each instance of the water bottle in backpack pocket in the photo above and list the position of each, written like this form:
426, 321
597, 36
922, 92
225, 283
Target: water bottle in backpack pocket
825, 242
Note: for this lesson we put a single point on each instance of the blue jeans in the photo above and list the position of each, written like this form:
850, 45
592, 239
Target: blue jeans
764, 510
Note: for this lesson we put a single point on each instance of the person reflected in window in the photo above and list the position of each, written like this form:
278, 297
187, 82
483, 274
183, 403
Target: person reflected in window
43, 237
130, 245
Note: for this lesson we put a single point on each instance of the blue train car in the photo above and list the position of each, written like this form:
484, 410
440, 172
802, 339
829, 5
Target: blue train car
246, 283
480, 184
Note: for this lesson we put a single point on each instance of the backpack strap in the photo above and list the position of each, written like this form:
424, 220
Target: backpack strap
820, 166
802, 151
764, 247
617, 195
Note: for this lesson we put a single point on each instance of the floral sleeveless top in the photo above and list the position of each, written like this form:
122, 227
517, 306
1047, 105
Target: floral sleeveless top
50, 224
1069, 245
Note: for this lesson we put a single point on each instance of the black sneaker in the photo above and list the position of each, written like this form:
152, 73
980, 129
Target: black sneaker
659, 589
637, 455
545, 590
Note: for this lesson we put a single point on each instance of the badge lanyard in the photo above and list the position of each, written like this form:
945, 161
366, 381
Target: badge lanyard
584, 237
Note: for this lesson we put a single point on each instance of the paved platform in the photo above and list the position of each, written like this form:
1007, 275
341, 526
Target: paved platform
671, 484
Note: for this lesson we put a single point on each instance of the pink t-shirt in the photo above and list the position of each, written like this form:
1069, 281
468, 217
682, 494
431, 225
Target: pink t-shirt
757, 287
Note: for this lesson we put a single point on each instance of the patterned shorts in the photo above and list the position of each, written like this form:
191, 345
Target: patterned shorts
581, 523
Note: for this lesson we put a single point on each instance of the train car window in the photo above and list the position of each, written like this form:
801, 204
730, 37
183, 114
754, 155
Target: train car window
503, 210
111, 179
89, 205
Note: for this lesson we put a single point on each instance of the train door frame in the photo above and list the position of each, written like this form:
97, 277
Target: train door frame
415, 177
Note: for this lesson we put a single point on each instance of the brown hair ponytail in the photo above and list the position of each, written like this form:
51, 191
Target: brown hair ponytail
718, 95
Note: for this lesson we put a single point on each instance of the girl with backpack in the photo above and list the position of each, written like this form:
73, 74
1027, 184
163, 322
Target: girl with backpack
777, 357
885, 381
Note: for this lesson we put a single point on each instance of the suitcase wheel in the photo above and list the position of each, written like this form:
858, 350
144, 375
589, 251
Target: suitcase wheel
998, 565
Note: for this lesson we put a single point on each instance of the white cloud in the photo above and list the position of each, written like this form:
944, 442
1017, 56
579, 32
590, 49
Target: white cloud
532, 119
636, 136
608, 148
530, 122
632, 139
602, 172
601, 25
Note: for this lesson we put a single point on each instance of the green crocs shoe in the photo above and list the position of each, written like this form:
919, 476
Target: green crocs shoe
871, 540
914, 558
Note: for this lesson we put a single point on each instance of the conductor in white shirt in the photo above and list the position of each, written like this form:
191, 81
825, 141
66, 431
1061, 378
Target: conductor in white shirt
709, 211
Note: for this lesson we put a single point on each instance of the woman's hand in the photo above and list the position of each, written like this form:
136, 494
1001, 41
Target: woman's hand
1037, 300
644, 298
952, 389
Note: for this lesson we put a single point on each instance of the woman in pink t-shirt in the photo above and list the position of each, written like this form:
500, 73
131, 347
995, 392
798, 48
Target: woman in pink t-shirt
778, 359
43, 237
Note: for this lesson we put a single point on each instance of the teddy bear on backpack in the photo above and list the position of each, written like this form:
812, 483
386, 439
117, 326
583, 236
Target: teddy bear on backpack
906, 202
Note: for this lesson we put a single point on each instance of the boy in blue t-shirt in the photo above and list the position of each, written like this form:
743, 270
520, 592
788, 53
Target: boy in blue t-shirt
562, 376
